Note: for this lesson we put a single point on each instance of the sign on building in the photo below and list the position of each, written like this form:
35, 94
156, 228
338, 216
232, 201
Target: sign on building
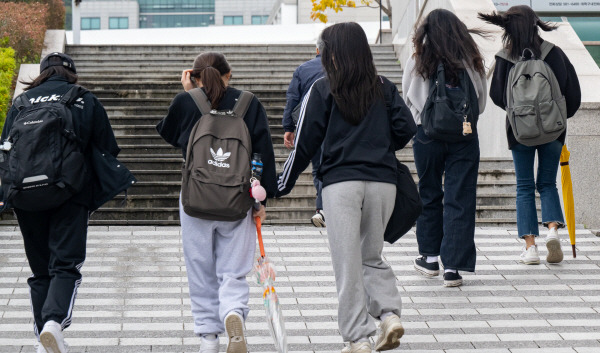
551, 5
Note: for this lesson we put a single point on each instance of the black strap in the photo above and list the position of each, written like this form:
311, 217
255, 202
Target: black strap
21, 102
201, 100
73, 94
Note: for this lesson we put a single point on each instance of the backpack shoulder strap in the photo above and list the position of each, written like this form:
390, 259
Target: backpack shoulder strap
73, 94
503, 53
243, 103
21, 102
546, 47
201, 100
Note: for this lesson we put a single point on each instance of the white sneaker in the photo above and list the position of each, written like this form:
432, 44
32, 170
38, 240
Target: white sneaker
530, 256
52, 338
234, 325
209, 346
391, 331
39, 348
555, 254
358, 347
318, 220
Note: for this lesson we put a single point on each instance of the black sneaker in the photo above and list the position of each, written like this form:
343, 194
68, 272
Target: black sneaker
452, 279
427, 269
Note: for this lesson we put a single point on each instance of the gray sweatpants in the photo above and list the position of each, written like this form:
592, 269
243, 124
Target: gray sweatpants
357, 214
218, 256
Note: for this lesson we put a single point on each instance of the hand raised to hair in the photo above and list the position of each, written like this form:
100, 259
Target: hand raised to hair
186, 80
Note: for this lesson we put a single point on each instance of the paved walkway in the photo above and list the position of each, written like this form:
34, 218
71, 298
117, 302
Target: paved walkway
134, 296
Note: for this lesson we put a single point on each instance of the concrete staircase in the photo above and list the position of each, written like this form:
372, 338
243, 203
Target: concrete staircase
137, 83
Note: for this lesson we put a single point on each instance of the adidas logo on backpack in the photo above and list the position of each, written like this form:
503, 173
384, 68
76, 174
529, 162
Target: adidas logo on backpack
535, 106
219, 158
217, 188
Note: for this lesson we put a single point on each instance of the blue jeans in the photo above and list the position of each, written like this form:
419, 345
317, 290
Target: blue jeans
548, 158
446, 226
316, 163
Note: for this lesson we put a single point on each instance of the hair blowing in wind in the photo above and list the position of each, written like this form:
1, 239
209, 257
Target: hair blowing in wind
520, 24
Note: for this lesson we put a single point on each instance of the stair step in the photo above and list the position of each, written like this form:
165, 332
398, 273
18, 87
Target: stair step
136, 84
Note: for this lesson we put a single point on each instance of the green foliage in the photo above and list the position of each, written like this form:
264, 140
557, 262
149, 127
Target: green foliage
7, 71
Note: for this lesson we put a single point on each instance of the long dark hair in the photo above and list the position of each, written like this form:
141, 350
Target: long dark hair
348, 61
59, 70
443, 38
520, 24
208, 68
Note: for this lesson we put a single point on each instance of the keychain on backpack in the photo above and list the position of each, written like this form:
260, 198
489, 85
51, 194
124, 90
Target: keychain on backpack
466, 127
257, 191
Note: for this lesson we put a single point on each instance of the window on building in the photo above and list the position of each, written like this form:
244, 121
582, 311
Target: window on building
118, 23
233, 20
259, 19
90, 23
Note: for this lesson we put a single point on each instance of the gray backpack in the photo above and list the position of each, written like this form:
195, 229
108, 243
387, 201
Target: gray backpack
217, 169
535, 106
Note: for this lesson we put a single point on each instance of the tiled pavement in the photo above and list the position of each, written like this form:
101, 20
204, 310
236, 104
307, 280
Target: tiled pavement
134, 296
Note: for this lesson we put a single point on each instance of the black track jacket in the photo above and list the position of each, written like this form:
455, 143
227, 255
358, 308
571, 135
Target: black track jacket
350, 152
183, 114
91, 125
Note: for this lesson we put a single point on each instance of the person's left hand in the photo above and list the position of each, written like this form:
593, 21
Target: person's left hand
261, 212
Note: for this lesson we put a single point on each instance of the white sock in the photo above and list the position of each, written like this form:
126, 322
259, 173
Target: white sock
431, 259
386, 314
210, 337
449, 270
363, 339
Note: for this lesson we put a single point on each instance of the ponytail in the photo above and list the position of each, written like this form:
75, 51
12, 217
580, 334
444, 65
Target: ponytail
209, 69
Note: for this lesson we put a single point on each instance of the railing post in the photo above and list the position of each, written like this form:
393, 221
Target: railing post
76, 21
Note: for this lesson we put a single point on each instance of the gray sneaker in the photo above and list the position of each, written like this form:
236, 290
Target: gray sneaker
391, 331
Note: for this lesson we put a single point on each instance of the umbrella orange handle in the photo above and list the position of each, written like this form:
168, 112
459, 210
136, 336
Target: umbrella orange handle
259, 234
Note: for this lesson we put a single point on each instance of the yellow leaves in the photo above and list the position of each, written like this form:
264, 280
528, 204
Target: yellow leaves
320, 6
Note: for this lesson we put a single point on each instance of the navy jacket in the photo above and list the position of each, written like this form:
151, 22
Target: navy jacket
350, 152
565, 75
304, 76
93, 128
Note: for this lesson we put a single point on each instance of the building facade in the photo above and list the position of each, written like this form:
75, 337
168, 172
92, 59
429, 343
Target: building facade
124, 14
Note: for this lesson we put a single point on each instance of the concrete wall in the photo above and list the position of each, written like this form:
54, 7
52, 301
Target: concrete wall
107, 9
54, 41
284, 12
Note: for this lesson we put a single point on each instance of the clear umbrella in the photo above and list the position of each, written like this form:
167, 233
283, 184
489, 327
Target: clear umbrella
264, 271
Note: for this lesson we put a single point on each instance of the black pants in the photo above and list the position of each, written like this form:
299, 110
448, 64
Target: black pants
446, 226
55, 247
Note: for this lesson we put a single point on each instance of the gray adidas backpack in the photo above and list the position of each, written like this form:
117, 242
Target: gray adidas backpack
535, 106
217, 169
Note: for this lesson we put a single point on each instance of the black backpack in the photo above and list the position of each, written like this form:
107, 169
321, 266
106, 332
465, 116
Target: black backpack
448, 109
42, 163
